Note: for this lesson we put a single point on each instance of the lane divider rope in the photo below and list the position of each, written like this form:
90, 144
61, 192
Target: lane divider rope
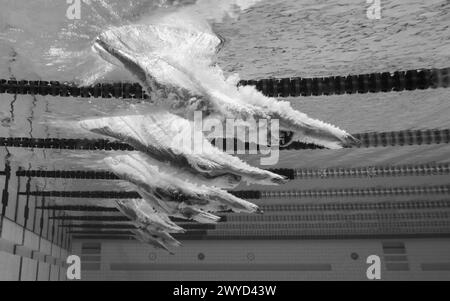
258, 194
350, 207
419, 79
373, 139
290, 173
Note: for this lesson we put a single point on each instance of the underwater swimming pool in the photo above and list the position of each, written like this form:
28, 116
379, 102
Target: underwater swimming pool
268, 39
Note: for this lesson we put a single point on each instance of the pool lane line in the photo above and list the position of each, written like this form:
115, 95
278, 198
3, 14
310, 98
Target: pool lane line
381, 82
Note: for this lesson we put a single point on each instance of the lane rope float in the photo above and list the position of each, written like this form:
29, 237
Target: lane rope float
260, 194
290, 173
374, 139
418, 204
398, 81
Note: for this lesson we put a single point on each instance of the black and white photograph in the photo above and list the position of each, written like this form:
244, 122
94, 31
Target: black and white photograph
202, 142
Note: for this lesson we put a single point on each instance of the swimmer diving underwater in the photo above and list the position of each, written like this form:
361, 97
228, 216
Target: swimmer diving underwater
174, 62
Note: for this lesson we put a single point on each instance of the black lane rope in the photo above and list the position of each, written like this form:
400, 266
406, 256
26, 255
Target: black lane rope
117, 218
352, 84
284, 87
186, 226
290, 173
415, 204
258, 194
374, 139
79, 208
100, 226
103, 232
